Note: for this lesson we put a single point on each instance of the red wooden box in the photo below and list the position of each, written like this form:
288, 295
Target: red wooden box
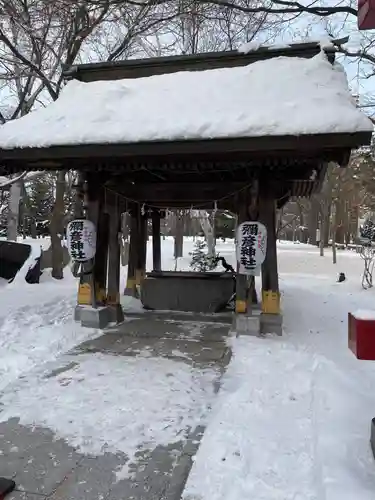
361, 329
366, 14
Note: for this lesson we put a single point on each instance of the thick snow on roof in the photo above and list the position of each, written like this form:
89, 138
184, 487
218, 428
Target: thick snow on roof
279, 96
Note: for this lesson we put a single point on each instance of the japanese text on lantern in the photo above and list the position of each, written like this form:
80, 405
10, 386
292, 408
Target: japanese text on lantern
251, 247
81, 238
249, 238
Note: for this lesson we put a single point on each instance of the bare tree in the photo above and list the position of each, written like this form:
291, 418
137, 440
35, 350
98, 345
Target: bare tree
37, 37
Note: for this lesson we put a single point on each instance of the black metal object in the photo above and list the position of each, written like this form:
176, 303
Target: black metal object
6, 487
372, 438
12, 257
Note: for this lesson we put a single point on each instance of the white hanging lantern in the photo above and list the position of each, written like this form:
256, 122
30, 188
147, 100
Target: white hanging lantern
81, 240
251, 247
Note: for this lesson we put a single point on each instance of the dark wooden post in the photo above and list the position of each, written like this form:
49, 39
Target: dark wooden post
156, 241
130, 288
248, 209
113, 297
241, 279
92, 287
270, 278
179, 234
141, 248
101, 258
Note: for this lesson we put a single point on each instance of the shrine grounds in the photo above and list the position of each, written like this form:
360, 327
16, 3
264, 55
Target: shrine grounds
177, 407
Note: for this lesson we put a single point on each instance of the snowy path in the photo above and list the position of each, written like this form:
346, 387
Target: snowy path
303, 402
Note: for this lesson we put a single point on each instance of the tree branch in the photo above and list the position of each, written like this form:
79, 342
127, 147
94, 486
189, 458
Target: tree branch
285, 7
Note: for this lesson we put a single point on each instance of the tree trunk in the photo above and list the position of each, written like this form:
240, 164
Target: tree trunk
326, 215
208, 230
339, 221
322, 232
14, 210
33, 228
313, 216
57, 228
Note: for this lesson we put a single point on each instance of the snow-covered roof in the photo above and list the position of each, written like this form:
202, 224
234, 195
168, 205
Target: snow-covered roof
276, 97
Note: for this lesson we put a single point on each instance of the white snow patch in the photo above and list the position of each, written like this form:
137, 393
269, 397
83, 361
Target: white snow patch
122, 472
288, 424
326, 43
260, 441
35, 335
312, 93
247, 47
3, 282
364, 314
111, 403
131, 304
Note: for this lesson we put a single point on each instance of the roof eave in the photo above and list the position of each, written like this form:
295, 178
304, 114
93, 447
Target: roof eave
137, 68
337, 145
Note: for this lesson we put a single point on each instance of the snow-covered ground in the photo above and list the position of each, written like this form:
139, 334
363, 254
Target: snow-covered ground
292, 419
303, 403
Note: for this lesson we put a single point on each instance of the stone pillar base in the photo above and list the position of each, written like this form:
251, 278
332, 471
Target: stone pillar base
246, 325
77, 312
271, 323
116, 313
93, 318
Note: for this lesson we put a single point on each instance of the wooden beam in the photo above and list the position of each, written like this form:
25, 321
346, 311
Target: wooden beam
333, 146
179, 192
139, 68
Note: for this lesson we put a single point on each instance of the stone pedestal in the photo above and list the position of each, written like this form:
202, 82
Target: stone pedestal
271, 323
93, 318
247, 325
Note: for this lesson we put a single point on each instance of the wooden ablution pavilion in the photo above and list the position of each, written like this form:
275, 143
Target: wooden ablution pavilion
243, 132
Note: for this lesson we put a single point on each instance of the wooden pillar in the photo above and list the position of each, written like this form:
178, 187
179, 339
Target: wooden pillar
179, 220
156, 241
130, 288
101, 257
141, 248
270, 278
248, 208
93, 282
113, 296
241, 279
